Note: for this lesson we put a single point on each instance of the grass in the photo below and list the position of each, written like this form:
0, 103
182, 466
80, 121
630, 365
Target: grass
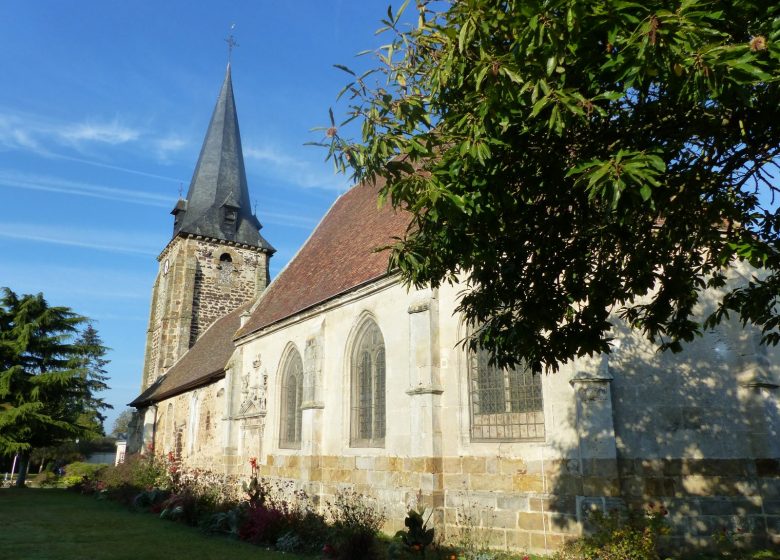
51, 524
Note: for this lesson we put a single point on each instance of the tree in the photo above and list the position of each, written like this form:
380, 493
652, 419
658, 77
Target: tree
122, 423
44, 384
573, 159
92, 360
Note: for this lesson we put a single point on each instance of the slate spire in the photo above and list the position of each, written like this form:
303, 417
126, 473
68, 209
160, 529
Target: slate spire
218, 203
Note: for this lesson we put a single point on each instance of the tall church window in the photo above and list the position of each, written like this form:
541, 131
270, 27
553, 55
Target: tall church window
506, 403
292, 392
367, 370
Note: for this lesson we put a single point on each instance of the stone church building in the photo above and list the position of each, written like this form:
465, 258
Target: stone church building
336, 375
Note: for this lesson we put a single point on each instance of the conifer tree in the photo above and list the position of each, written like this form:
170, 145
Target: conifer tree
44, 377
92, 359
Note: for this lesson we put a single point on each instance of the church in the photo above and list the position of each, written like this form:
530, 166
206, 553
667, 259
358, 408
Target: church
336, 375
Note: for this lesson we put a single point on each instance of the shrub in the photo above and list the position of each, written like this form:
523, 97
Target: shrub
226, 522
78, 473
142, 472
149, 499
356, 521
183, 506
47, 479
263, 525
619, 537
416, 538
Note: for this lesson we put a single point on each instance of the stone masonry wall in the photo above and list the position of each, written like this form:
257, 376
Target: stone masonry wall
220, 287
193, 289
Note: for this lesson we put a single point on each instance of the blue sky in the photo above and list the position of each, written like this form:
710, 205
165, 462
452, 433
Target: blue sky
103, 108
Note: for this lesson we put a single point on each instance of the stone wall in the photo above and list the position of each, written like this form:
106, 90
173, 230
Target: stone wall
697, 432
194, 288
190, 426
220, 287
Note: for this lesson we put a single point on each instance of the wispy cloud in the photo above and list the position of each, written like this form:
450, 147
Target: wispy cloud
169, 144
38, 133
78, 188
114, 167
48, 137
293, 170
112, 132
95, 239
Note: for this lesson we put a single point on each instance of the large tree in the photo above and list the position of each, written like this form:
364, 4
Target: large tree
122, 423
93, 381
44, 379
572, 159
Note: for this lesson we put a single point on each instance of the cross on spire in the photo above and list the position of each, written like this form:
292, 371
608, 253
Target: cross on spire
231, 41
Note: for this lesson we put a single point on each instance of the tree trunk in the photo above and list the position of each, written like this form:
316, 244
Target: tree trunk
24, 462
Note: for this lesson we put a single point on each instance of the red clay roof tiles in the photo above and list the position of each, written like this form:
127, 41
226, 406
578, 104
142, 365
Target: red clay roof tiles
206, 360
340, 255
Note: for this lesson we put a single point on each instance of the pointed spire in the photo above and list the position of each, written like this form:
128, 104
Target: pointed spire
218, 203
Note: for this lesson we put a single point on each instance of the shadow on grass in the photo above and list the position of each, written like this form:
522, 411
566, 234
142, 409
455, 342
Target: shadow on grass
38, 524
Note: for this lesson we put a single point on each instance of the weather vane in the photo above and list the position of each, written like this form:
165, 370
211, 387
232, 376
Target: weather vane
181, 189
231, 41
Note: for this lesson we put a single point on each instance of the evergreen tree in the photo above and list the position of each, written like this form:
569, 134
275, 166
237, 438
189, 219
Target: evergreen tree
43, 376
92, 359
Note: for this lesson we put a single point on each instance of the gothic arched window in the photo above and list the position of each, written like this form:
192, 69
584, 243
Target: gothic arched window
292, 390
506, 404
367, 371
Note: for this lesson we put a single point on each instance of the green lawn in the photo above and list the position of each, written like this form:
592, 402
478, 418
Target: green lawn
37, 524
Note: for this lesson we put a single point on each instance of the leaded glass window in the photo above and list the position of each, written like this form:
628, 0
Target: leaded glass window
368, 388
292, 392
506, 403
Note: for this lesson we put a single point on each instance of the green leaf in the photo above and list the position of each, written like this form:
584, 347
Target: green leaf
344, 68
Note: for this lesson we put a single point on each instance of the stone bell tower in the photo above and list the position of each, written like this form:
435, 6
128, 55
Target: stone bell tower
216, 259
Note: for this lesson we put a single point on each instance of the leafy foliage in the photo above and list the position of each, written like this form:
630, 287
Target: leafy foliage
417, 536
47, 377
573, 158
122, 423
620, 537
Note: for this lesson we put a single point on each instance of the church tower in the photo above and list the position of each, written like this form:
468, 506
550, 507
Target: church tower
216, 259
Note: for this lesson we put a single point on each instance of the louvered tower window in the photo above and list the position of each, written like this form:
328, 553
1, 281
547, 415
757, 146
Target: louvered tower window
225, 268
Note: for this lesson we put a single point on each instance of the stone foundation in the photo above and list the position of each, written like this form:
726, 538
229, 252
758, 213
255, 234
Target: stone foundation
535, 506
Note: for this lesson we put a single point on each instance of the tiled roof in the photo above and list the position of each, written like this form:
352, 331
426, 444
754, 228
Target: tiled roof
340, 255
202, 363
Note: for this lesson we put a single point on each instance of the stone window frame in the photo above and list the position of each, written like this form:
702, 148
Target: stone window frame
291, 399
169, 434
513, 398
368, 387
193, 421
226, 267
